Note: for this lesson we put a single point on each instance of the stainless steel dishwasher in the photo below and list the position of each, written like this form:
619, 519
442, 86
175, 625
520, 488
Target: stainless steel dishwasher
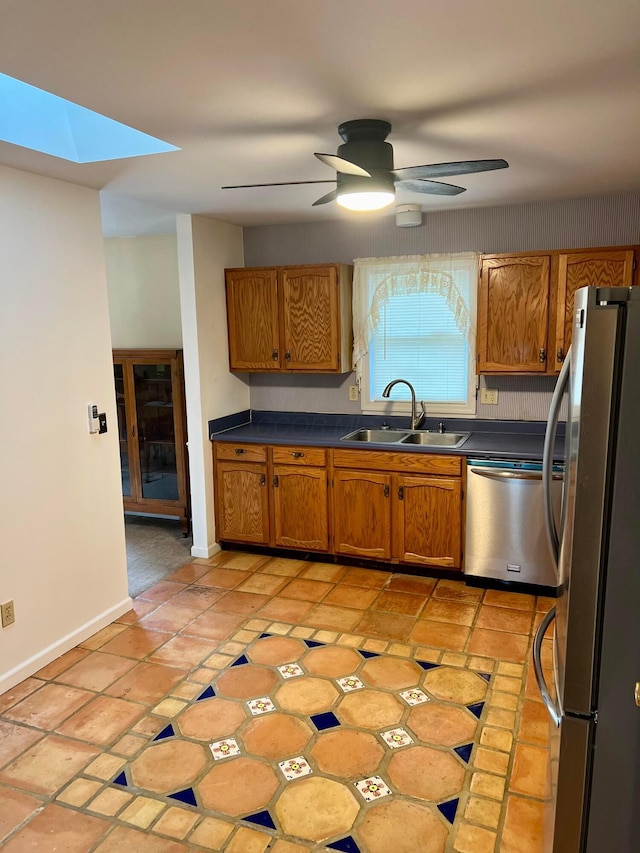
505, 532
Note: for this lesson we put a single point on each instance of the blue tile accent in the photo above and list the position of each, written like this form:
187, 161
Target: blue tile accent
241, 660
314, 644
485, 675
185, 796
262, 819
121, 779
262, 636
366, 654
476, 709
425, 664
207, 693
327, 720
167, 731
464, 751
346, 845
449, 809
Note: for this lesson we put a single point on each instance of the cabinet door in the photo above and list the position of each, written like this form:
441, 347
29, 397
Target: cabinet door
252, 319
609, 268
428, 522
311, 324
242, 502
300, 507
362, 514
513, 307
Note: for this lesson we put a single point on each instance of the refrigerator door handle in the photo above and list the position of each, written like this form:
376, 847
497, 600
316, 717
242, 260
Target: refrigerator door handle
552, 707
547, 457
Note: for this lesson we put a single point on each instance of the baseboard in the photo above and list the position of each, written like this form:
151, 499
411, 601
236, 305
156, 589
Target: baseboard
205, 553
70, 641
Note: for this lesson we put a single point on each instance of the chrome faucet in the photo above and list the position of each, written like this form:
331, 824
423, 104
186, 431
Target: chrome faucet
416, 419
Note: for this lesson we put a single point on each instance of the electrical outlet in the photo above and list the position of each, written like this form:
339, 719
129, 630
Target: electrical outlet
353, 393
8, 613
489, 396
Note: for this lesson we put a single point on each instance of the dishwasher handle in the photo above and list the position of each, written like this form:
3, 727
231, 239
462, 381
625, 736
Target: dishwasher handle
492, 474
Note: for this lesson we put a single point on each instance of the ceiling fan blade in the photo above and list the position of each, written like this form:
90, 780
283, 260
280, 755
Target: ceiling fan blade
332, 196
432, 187
279, 184
346, 167
443, 170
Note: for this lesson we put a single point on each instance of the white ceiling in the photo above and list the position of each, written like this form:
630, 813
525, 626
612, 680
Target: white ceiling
249, 89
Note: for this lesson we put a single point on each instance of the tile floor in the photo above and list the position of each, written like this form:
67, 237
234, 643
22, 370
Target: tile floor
249, 703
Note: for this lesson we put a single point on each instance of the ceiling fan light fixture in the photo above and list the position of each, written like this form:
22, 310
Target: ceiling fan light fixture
365, 199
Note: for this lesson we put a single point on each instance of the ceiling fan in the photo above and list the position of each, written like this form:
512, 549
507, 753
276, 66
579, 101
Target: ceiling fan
366, 178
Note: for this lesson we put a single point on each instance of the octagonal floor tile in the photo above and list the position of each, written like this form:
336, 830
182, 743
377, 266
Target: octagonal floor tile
168, 766
347, 753
247, 681
371, 709
403, 827
212, 719
276, 736
315, 809
274, 651
332, 661
238, 787
392, 673
455, 685
307, 695
426, 773
442, 724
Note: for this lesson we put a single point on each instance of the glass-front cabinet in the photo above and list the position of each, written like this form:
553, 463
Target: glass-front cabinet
152, 432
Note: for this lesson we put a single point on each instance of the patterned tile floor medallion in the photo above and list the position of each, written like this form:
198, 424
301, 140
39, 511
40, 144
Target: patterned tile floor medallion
276, 735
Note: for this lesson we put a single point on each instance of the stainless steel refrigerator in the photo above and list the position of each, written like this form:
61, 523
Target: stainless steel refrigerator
594, 693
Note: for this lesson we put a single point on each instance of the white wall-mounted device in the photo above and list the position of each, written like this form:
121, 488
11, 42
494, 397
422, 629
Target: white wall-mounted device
408, 215
97, 420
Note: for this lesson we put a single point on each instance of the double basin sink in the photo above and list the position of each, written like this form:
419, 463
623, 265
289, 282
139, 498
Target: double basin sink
403, 436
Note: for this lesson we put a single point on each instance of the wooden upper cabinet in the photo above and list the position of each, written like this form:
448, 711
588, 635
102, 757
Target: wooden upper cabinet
311, 321
252, 319
290, 318
513, 311
601, 268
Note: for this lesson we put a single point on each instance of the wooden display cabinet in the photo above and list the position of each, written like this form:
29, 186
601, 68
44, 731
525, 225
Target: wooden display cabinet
152, 432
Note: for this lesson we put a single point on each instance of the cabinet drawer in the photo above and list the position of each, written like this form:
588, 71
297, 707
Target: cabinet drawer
241, 452
300, 456
384, 460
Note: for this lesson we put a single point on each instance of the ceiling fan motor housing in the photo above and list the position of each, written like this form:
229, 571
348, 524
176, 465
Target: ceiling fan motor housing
364, 144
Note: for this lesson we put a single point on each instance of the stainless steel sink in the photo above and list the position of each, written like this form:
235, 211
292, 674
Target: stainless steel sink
386, 436
403, 436
437, 439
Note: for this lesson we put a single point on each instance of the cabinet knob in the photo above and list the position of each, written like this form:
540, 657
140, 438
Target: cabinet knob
276, 481
240, 450
400, 493
274, 355
297, 454
636, 693
560, 354
263, 479
287, 355
386, 490
542, 355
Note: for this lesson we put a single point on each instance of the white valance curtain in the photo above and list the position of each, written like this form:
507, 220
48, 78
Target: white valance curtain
377, 280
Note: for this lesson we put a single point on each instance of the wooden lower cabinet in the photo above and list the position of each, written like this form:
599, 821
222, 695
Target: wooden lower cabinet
285, 497
428, 520
300, 512
362, 514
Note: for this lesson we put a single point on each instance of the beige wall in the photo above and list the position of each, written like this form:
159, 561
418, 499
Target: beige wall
205, 248
144, 294
62, 546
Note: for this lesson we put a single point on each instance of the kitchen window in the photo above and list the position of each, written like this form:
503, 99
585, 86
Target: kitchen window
414, 319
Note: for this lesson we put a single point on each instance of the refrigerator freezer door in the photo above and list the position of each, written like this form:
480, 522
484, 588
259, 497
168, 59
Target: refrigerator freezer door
596, 353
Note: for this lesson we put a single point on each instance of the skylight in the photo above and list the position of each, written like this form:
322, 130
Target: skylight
33, 118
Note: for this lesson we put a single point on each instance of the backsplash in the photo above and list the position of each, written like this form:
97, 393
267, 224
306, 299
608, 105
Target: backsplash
520, 398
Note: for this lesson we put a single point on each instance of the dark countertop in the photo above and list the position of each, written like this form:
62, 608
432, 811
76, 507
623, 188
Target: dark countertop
517, 440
